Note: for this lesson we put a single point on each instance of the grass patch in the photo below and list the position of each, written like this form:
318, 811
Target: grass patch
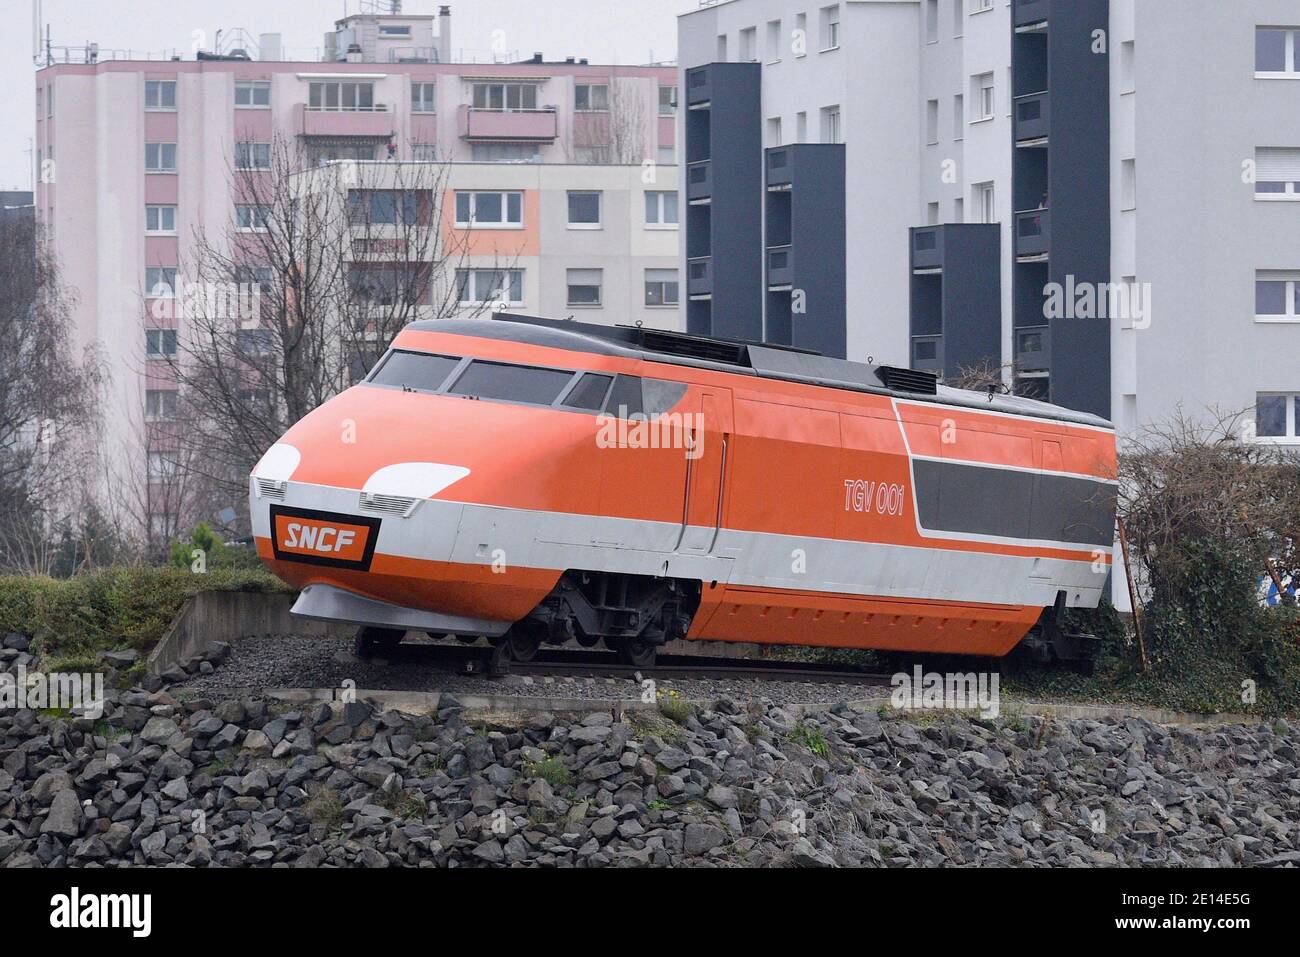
73, 619
676, 709
811, 738
550, 770
403, 804
325, 808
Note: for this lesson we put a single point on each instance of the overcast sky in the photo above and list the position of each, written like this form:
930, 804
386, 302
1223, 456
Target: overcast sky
604, 31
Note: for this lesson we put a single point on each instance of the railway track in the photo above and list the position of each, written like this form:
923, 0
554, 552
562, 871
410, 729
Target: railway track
472, 660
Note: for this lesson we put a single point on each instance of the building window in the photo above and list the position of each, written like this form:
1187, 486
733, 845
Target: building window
49, 102
1276, 416
830, 26
661, 287
801, 127
160, 157
932, 214
660, 208
384, 207
422, 98
1277, 173
1277, 51
505, 153
985, 210
160, 343
505, 97
253, 93
932, 122
397, 31
1127, 67
667, 101
160, 220
160, 282
665, 156
584, 209
981, 5
931, 21
584, 287
721, 56
774, 131
478, 286
831, 124
749, 45
160, 95
425, 152
800, 36
162, 465
251, 218
985, 96
958, 18
346, 97
252, 156
160, 404
1128, 184
591, 155
1277, 296
774, 41
591, 97
320, 155
959, 117
490, 210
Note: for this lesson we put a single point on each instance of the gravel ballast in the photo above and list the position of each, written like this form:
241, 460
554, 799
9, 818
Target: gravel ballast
173, 777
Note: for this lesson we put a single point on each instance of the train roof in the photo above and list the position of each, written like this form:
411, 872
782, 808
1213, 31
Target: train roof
738, 357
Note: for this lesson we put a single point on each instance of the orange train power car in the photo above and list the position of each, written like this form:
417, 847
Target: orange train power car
536, 481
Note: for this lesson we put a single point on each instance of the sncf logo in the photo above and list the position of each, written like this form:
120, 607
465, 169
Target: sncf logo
323, 538
320, 538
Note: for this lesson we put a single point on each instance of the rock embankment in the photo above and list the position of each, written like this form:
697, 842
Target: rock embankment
240, 782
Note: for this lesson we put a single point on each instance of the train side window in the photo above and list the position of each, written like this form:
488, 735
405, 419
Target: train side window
499, 380
414, 370
589, 393
625, 398
660, 396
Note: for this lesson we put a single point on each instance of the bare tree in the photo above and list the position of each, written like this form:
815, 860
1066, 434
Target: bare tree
619, 135
1205, 479
294, 298
48, 401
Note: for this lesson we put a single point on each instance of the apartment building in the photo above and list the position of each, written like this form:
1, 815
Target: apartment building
594, 243
137, 154
1095, 196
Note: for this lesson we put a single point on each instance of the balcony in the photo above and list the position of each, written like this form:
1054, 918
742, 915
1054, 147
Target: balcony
927, 354
1033, 235
927, 249
699, 181
1032, 116
374, 123
532, 126
699, 91
1027, 13
780, 168
1034, 349
780, 266
699, 277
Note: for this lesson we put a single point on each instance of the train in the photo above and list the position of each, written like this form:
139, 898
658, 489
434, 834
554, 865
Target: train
538, 482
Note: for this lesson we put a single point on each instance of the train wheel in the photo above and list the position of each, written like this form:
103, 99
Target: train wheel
522, 642
637, 652
373, 641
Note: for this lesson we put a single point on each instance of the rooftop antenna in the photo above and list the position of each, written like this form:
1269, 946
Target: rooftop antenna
36, 32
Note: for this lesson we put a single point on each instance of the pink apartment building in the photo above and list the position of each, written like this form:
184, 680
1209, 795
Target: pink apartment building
134, 154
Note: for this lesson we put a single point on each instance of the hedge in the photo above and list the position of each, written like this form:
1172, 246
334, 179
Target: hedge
115, 608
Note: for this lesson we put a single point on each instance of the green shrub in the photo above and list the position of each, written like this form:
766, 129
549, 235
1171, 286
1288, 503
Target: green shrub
113, 608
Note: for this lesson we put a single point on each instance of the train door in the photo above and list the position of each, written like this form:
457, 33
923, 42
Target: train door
708, 427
